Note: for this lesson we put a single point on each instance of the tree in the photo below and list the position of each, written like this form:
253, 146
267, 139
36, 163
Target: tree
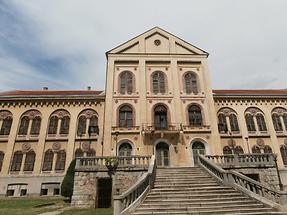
68, 182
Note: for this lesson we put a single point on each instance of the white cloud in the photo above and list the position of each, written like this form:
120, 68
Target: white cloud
242, 37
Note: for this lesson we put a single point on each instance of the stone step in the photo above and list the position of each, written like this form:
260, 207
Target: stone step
197, 193
194, 197
202, 208
178, 176
181, 186
186, 199
207, 188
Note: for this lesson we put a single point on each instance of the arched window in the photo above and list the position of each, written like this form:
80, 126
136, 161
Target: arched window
24, 125
6, 125
1, 159
283, 151
61, 160
238, 150
233, 122
160, 117
91, 153
277, 122
36, 124
194, 115
261, 122
48, 160
65, 123
190, 83
29, 161
126, 116
126, 82
267, 149
53, 125
86, 120
17, 161
250, 123
6, 118
79, 153
158, 82
227, 150
256, 150
222, 123
82, 125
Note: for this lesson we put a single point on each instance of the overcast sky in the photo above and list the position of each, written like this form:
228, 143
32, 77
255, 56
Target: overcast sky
61, 44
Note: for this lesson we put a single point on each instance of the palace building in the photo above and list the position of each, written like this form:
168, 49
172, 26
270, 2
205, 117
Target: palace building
158, 101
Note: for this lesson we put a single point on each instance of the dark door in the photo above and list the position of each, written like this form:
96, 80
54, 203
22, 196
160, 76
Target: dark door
198, 148
104, 193
162, 154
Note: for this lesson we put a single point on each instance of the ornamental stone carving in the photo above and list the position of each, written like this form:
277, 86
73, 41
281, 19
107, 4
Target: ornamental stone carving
280, 111
231, 143
86, 146
89, 113
56, 147
253, 110
32, 114
61, 113
226, 111
4, 114
26, 147
260, 142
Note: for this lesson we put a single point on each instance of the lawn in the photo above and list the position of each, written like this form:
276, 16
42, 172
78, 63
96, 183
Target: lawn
33, 206
30, 206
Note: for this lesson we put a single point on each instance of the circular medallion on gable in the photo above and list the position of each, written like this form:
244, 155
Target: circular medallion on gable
56, 146
26, 147
157, 42
260, 142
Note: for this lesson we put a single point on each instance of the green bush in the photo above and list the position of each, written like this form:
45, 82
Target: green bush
68, 182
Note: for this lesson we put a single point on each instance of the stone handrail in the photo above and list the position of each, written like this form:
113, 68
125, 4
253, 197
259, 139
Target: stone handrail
123, 161
129, 200
252, 188
241, 160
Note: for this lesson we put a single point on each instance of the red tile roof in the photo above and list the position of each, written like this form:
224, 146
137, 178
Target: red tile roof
35, 93
260, 92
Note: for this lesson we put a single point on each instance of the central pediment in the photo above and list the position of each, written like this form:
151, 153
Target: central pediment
157, 41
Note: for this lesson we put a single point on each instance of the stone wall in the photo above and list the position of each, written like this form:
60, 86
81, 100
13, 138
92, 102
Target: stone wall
85, 184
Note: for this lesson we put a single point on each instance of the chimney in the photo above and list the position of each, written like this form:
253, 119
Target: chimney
45, 88
89, 88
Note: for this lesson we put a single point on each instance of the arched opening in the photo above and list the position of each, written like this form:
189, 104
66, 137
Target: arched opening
198, 148
160, 117
162, 154
126, 116
125, 150
195, 116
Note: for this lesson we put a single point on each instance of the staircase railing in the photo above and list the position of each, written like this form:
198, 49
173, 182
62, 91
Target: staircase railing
252, 188
226, 161
131, 199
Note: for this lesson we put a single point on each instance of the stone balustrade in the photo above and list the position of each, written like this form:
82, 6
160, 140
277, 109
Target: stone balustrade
91, 163
275, 199
243, 160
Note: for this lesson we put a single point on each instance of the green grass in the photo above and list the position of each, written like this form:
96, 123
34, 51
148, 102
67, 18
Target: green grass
90, 211
26, 206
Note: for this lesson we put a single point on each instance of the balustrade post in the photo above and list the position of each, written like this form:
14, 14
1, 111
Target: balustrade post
283, 200
78, 163
118, 206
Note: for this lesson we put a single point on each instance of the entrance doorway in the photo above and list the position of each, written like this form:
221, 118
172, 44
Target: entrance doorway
104, 193
162, 154
198, 148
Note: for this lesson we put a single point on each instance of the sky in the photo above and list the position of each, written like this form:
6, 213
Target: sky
61, 44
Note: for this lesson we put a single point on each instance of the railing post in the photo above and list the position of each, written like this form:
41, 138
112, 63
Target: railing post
283, 200
78, 163
118, 207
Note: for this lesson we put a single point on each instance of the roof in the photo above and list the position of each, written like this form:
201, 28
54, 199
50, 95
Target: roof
49, 93
257, 92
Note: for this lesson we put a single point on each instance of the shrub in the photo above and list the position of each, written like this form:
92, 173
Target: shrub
68, 182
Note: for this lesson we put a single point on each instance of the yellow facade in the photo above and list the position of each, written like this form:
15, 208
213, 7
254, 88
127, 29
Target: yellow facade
158, 100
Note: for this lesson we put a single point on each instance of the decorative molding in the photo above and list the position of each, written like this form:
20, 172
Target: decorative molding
56, 146
26, 147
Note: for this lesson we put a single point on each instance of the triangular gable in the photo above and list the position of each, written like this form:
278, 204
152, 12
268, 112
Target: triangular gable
157, 40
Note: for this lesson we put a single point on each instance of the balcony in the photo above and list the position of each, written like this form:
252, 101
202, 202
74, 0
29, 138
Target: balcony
125, 130
243, 160
151, 128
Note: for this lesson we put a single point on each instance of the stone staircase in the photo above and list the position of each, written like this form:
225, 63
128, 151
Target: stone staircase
191, 190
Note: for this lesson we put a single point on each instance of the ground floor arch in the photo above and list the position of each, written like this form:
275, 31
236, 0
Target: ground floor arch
162, 154
198, 148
